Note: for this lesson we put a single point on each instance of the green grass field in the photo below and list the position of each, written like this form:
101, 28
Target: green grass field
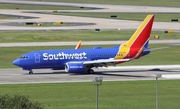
45, 25
164, 56
173, 3
112, 95
76, 35
36, 7
6, 17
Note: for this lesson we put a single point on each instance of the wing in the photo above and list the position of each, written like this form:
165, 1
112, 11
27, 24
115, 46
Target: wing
104, 62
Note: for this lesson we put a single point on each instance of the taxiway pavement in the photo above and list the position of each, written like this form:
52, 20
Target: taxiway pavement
123, 73
100, 23
25, 44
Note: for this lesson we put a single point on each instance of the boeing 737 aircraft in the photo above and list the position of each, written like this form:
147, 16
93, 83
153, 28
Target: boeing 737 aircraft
83, 60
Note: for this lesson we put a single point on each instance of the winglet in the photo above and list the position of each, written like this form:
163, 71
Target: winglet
78, 46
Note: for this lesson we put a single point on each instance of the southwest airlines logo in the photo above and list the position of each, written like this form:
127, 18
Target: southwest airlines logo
62, 55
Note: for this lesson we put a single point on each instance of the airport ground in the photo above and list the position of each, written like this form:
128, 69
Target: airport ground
127, 74
93, 23
119, 73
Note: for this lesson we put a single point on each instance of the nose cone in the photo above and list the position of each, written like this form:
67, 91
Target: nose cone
16, 62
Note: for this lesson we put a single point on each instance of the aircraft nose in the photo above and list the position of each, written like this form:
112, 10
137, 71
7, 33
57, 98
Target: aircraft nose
16, 62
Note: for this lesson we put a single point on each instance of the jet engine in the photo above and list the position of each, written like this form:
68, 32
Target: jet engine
74, 67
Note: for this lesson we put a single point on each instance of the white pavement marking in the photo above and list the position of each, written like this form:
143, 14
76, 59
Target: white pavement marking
171, 76
145, 67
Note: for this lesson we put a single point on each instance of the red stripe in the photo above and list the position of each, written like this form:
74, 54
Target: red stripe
144, 35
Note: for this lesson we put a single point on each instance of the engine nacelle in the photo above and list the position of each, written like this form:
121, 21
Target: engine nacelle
74, 67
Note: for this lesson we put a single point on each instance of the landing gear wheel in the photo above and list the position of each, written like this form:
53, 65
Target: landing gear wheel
31, 72
91, 71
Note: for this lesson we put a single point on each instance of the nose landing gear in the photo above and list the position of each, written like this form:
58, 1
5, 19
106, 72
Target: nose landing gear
30, 72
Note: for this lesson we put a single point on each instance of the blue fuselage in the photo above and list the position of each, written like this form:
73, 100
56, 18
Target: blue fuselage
56, 59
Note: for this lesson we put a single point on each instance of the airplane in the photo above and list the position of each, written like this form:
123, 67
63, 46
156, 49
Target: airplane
82, 60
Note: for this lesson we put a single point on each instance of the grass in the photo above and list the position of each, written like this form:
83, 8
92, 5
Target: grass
42, 36
159, 17
37, 7
172, 3
158, 57
45, 25
75, 35
112, 95
169, 3
6, 17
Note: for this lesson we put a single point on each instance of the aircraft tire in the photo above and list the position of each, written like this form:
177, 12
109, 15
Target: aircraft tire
30, 72
91, 71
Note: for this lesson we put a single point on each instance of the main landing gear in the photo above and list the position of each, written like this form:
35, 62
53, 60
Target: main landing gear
90, 71
30, 72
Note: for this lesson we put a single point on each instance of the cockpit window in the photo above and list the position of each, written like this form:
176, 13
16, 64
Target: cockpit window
24, 57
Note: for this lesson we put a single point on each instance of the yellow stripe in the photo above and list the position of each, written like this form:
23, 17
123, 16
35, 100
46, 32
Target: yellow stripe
122, 52
124, 48
138, 31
